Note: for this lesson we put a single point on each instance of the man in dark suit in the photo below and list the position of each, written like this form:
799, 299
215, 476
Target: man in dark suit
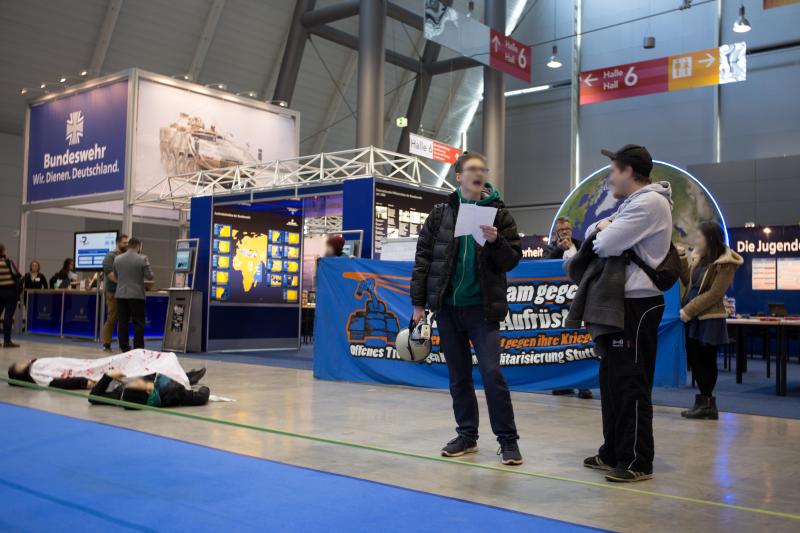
563, 246
132, 272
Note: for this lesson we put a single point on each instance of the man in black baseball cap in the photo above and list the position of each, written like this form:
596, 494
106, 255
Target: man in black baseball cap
634, 156
642, 224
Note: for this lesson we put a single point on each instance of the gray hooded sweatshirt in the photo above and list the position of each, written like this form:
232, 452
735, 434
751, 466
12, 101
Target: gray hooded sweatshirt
643, 223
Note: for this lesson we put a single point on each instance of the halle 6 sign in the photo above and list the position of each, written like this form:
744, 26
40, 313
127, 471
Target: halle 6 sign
714, 66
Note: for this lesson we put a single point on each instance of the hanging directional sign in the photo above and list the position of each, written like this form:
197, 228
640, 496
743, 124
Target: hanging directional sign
422, 146
726, 64
510, 56
465, 35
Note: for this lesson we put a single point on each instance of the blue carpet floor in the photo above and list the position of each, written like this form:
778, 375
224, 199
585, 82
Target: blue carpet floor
59, 473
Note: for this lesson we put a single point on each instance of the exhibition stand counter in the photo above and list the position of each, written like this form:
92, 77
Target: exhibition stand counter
81, 313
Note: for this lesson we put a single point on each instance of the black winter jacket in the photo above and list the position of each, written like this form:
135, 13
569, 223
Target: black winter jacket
435, 259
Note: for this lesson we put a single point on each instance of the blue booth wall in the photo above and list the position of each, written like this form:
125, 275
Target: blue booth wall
361, 304
764, 245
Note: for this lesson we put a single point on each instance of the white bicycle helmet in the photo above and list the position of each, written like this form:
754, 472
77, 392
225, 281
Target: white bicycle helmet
414, 342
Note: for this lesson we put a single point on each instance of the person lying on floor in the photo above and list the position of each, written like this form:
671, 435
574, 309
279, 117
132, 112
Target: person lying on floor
73, 373
156, 390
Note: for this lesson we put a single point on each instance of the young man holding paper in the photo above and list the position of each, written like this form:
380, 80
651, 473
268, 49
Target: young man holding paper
460, 275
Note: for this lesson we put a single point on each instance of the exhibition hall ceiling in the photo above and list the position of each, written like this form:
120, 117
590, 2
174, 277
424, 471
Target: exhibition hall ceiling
41, 41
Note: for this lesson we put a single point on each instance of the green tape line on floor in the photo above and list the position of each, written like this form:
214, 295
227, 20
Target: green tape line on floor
401, 453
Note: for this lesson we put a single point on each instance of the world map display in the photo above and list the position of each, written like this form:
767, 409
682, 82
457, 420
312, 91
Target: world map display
591, 201
250, 257
256, 254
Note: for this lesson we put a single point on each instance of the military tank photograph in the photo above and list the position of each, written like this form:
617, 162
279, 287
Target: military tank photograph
189, 145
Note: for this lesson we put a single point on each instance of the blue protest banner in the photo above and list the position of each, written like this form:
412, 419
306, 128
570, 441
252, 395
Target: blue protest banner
362, 304
76, 144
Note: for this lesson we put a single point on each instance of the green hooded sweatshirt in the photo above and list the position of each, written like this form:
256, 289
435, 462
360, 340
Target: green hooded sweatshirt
465, 288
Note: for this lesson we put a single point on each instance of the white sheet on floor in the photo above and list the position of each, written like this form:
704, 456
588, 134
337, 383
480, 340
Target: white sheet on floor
135, 363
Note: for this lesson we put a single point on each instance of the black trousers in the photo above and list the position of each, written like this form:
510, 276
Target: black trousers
130, 309
703, 360
457, 327
8, 305
627, 367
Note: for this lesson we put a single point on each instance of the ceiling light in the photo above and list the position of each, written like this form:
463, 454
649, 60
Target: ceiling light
749, 224
43, 85
24, 90
282, 103
84, 73
742, 25
767, 230
249, 94
62, 79
527, 90
554, 62
219, 86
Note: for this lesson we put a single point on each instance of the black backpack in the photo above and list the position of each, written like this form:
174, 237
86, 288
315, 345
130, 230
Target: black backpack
666, 274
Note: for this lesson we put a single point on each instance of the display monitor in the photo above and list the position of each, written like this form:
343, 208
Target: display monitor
91, 247
256, 253
183, 261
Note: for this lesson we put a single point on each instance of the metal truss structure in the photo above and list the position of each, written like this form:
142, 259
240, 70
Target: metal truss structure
175, 192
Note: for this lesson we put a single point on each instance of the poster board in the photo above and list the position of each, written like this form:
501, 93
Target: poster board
400, 211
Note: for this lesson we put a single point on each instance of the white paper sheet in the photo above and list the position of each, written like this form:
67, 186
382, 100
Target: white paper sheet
470, 219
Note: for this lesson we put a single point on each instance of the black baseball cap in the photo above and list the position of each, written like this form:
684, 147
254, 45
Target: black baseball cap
634, 155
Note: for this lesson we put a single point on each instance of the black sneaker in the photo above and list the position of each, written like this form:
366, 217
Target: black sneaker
594, 462
107, 348
509, 453
622, 475
195, 376
459, 446
10, 344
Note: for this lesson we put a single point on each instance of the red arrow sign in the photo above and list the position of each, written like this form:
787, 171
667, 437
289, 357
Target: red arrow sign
622, 81
509, 55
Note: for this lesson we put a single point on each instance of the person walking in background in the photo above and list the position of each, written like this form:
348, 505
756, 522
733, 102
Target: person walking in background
642, 225
66, 278
131, 270
34, 279
706, 274
10, 283
110, 290
464, 283
564, 246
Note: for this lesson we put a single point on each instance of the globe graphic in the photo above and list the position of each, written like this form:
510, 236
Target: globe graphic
591, 201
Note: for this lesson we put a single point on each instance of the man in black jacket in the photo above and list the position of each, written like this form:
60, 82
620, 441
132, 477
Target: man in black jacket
563, 246
464, 283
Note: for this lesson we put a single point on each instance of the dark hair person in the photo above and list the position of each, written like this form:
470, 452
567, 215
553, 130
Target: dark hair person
9, 294
707, 273
66, 276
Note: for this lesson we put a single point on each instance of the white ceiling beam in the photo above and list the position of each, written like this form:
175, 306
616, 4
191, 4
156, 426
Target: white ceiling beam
201, 51
345, 79
104, 39
397, 98
445, 112
275, 69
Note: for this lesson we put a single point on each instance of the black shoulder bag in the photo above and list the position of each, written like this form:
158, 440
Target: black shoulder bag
666, 274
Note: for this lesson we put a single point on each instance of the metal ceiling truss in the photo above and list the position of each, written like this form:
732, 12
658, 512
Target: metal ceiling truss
176, 192
308, 20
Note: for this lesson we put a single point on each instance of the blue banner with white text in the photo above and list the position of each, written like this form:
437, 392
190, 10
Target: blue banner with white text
76, 144
362, 304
